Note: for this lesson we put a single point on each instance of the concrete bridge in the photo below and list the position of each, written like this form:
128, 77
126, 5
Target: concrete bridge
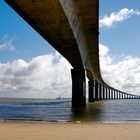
71, 27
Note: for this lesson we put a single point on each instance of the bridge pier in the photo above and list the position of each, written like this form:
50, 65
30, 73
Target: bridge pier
100, 92
91, 91
96, 91
78, 88
106, 93
113, 94
109, 93
117, 95
106, 97
103, 93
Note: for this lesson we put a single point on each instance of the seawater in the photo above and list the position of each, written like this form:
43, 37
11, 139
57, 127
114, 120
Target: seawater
54, 110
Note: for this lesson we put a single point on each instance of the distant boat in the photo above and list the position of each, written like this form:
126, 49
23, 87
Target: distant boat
59, 98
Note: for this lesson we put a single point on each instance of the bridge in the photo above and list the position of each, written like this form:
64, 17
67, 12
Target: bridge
71, 27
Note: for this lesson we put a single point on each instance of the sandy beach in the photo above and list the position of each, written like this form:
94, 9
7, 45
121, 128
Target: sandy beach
68, 131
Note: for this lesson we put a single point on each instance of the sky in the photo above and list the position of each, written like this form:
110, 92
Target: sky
28, 63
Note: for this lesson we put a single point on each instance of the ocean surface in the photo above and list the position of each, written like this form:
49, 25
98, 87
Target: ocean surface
54, 110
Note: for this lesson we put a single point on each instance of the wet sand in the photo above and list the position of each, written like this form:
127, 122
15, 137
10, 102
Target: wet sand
68, 131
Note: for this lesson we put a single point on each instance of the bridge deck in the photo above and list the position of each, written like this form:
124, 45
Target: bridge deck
69, 26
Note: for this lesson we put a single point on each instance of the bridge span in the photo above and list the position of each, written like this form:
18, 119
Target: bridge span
71, 27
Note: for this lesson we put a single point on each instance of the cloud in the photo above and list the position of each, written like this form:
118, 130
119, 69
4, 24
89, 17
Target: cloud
115, 17
49, 75
40, 77
123, 75
6, 44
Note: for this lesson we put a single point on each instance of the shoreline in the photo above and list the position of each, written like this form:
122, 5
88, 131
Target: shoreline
71, 122
71, 131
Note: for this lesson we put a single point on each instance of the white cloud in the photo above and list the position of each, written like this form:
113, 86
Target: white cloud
123, 75
41, 77
123, 14
6, 44
49, 75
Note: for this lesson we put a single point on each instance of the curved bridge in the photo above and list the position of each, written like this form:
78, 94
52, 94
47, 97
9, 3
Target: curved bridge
71, 27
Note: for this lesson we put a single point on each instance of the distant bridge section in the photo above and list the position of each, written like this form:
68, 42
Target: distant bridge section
71, 27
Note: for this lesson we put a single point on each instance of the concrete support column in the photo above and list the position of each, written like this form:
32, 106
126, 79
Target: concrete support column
91, 91
106, 93
78, 88
122, 95
117, 95
109, 93
96, 91
100, 92
103, 93
113, 94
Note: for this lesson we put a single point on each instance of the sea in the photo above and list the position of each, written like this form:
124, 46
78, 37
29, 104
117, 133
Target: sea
60, 110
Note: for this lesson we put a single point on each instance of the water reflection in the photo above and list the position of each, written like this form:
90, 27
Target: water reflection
91, 113
108, 111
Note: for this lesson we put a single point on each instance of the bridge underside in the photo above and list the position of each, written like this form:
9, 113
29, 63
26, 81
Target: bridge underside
71, 27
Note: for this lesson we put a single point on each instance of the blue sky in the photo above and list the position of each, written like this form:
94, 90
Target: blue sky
27, 42
27, 67
122, 38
